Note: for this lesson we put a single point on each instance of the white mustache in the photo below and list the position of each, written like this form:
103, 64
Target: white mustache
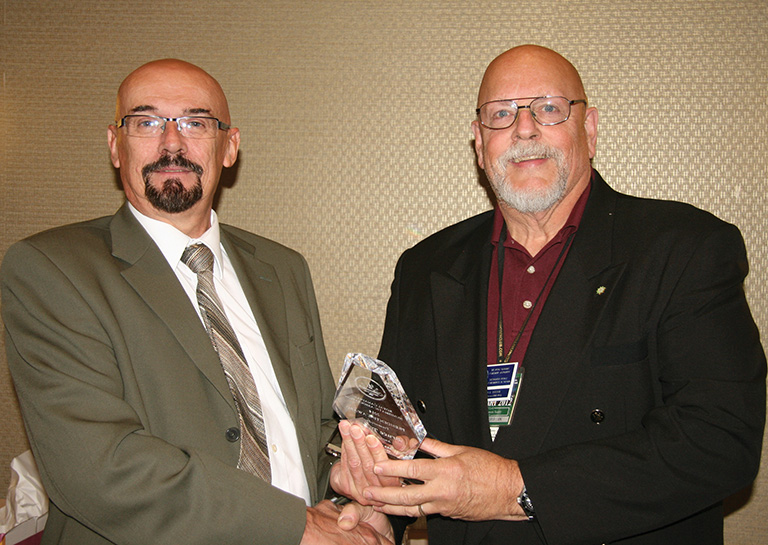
528, 151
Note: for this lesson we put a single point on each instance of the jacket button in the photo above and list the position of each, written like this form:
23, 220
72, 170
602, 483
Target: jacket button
422, 406
232, 434
597, 416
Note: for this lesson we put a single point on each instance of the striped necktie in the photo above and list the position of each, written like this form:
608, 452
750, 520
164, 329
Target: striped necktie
254, 456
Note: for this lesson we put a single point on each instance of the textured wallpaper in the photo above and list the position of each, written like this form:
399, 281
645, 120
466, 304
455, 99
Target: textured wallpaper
355, 120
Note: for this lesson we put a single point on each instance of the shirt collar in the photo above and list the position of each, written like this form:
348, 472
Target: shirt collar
172, 242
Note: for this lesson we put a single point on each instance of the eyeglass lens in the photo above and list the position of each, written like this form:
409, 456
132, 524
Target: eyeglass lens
500, 114
148, 126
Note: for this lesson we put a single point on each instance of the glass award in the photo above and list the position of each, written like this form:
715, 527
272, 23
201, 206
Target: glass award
370, 394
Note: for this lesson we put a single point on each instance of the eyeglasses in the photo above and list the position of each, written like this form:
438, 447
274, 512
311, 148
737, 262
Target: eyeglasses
502, 114
191, 126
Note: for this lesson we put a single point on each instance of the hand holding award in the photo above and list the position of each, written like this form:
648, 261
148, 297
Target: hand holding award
369, 393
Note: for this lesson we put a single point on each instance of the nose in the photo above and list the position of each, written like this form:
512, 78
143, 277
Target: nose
525, 126
171, 141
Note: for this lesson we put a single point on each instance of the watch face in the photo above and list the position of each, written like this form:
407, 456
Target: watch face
528, 506
525, 502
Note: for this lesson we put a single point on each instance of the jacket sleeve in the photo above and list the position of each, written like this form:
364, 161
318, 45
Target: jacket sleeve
328, 422
388, 354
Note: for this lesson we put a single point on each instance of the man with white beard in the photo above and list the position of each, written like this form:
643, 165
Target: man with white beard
587, 359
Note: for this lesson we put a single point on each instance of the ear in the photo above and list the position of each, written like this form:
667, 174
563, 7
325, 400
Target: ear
477, 131
112, 142
233, 145
590, 126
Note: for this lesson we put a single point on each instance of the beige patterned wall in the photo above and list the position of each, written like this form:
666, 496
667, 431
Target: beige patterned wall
355, 126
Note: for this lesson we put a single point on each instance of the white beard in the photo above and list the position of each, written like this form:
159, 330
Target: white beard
529, 201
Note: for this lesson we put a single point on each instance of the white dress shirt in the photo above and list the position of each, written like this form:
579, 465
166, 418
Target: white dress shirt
284, 456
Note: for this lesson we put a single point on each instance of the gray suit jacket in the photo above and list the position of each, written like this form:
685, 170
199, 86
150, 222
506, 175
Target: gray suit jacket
125, 402
643, 400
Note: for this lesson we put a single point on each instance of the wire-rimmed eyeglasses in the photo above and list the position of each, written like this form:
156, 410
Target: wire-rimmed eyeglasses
190, 126
548, 110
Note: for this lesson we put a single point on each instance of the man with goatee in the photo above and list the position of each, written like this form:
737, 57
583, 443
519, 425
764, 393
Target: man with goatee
170, 369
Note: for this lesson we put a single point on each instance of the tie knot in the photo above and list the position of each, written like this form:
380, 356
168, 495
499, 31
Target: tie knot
198, 257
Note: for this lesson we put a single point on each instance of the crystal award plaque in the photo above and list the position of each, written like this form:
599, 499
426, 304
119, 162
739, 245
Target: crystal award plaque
369, 393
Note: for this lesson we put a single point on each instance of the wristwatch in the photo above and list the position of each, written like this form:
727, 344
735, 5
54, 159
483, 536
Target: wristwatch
525, 502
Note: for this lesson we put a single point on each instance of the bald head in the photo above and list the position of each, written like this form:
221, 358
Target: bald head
171, 175
537, 169
529, 71
172, 79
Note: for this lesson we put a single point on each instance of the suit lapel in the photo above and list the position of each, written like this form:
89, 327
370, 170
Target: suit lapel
262, 288
566, 326
149, 274
460, 322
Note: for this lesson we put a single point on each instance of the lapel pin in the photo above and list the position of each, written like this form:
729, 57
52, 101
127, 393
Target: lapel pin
601, 290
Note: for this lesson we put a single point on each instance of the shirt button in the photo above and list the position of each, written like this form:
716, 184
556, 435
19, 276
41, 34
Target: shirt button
274, 448
531, 269
597, 416
527, 304
232, 434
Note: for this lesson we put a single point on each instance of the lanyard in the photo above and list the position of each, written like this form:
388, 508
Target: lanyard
500, 257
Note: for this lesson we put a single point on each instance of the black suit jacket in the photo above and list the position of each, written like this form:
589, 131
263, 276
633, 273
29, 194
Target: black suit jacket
643, 401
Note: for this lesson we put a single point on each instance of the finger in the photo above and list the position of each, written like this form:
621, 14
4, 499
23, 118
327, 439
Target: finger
411, 495
376, 449
342, 479
401, 510
361, 459
420, 470
364, 453
349, 454
400, 443
370, 450
380, 455
346, 476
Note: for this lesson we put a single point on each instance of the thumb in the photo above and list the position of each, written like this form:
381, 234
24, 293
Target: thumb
438, 449
350, 516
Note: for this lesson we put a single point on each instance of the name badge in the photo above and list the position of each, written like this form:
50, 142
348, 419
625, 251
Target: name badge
504, 380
